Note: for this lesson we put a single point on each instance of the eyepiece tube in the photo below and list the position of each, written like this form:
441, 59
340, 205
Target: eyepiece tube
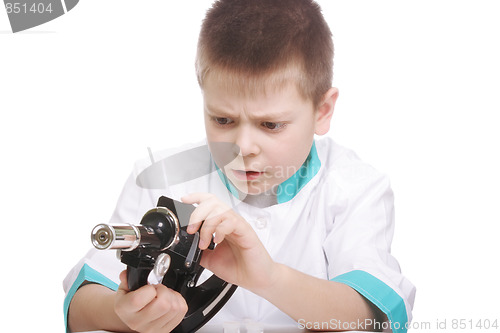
115, 237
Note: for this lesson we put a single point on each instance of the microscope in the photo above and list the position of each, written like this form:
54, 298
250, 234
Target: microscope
160, 245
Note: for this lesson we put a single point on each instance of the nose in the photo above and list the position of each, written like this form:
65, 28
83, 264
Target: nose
247, 141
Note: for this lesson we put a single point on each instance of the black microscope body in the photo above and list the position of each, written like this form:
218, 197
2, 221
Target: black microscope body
160, 245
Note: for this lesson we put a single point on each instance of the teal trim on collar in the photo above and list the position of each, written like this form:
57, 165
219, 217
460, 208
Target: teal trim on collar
88, 274
381, 295
290, 187
227, 182
287, 190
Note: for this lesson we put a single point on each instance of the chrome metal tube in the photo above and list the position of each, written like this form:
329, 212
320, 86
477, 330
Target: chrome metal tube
118, 237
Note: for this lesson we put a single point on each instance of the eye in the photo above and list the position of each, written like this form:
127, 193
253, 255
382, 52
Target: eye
222, 120
273, 126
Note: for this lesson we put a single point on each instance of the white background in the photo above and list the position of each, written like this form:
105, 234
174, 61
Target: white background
83, 96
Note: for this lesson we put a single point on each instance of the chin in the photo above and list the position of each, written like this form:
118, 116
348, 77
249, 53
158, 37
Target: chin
254, 189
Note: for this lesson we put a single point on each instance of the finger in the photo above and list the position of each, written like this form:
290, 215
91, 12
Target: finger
197, 217
176, 320
222, 255
120, 305
208, 204
123, 282
170, 305
222, 230
233, 224
200, 214
193, 198
181, 308
208, 229
160, 306
128, 304
135, 301
164, 313
193, 227
197, 197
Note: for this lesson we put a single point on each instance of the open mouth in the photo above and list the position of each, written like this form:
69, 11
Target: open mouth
247, 175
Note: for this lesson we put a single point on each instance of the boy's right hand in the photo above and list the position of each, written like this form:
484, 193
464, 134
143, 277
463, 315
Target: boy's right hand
151, 308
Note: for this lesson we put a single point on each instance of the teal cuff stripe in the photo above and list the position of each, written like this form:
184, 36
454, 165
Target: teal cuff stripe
86, 274
380, 295
290, 187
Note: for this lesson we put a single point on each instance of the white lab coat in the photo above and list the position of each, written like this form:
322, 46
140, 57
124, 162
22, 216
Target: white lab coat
338, 226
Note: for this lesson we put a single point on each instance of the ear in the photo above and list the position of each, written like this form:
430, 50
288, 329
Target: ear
324, 112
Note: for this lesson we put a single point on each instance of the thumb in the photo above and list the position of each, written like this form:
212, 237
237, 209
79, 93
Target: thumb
123, 282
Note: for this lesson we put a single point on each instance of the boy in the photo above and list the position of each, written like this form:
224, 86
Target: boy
302, 226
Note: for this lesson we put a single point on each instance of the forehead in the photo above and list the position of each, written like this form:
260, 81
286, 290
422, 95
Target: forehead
251, 85
265, 101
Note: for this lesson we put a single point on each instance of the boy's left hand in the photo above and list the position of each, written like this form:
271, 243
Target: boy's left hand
240, 257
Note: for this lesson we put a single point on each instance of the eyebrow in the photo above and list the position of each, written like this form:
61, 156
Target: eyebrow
215, 111
281, 115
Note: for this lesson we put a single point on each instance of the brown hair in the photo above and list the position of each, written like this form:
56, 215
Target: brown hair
251, 44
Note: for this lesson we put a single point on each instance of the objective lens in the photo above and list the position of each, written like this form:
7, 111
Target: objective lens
106, 236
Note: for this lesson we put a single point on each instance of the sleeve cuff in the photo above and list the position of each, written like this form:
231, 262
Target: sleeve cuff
87, 274
380, 294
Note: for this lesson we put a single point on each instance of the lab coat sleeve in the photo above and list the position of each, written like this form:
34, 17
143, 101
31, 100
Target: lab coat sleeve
358, 246
103, 267
100, 267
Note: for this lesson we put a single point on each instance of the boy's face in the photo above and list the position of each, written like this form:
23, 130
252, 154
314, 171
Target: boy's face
269, 135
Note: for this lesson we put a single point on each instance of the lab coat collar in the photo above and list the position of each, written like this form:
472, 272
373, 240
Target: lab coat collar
285, 191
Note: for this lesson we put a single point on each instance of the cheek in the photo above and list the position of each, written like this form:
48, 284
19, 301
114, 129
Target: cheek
285, 159
210, 135
218, 133
213, 134
287, 156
